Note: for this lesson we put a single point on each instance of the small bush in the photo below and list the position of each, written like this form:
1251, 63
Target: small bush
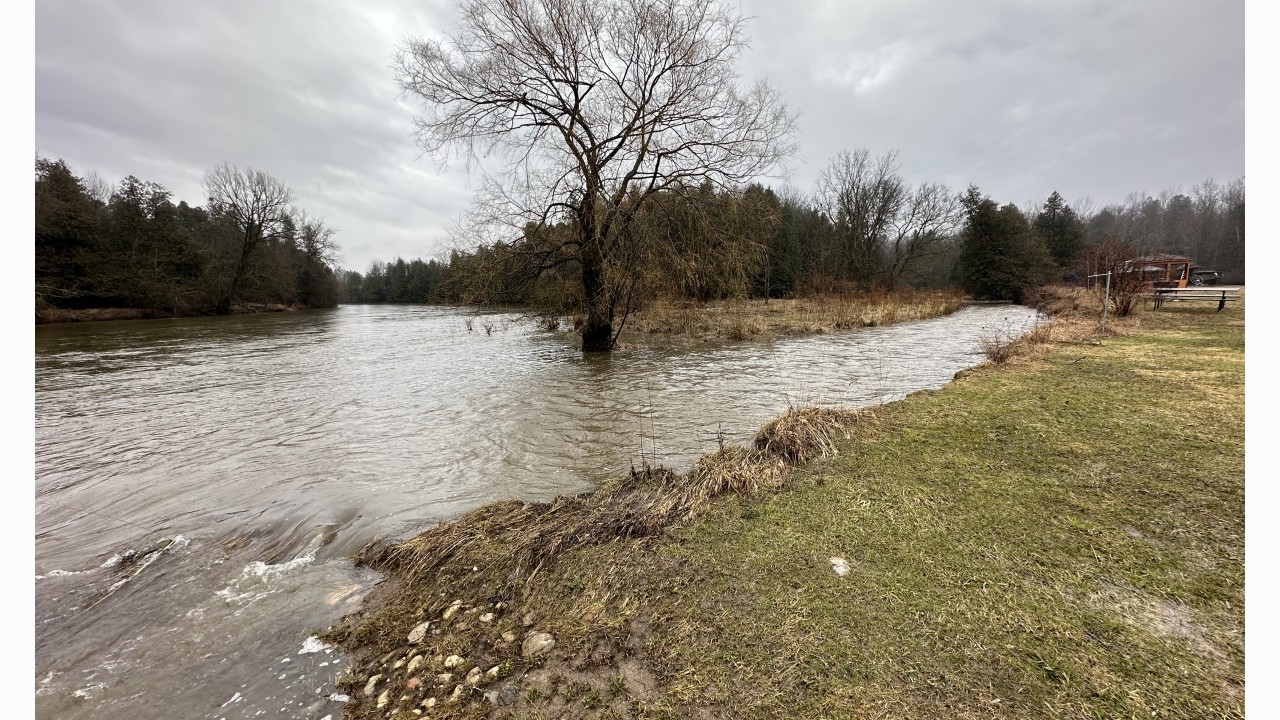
997, 349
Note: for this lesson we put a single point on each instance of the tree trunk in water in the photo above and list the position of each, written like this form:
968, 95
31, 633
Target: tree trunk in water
597, 333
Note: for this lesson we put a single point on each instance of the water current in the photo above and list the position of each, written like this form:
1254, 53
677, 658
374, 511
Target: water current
201, 482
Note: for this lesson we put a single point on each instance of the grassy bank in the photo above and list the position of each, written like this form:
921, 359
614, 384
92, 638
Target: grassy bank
743, 319
1061, 535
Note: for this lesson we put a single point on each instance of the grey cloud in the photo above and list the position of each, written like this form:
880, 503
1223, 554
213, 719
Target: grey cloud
1089, 98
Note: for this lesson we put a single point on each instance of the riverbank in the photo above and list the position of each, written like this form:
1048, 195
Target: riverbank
48, 315
742, 319
1045, 537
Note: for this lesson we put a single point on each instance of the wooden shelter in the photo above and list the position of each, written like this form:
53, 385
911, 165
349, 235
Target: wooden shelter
1162, 271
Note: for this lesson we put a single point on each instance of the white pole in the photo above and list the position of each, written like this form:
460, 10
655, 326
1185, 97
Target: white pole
1106, 300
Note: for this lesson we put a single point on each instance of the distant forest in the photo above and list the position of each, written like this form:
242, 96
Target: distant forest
862, 227
130, 246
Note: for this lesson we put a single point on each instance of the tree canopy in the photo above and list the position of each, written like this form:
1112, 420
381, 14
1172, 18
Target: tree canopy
595, 107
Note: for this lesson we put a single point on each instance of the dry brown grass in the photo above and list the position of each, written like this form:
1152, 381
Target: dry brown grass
48, 314
743, 319
1074, 316
743, 327
802, 434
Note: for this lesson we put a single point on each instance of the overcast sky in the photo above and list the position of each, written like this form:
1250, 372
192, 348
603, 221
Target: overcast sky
1090, 98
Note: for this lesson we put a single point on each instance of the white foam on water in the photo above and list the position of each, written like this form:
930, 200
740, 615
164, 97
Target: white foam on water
256, 580
177, 543
44, 684
234, 698
87, 692
257, 568
314, 644
60, 573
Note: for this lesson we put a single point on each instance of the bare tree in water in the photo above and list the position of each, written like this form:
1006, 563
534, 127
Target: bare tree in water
594, 107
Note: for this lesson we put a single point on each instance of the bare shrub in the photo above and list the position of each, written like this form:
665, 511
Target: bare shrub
1042, 333
1127, 288
998, 344
997, 351
1127, 284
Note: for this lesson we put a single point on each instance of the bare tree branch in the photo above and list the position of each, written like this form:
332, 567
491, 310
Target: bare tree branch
593, 107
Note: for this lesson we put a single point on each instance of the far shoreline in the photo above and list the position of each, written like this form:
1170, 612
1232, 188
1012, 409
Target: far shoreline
64, 316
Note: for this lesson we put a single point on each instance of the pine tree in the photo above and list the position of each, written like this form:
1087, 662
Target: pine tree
1063, 231
1000, 255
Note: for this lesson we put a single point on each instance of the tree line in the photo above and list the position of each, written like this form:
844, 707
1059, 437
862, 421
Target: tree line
131, 246
1206, 224
863, 226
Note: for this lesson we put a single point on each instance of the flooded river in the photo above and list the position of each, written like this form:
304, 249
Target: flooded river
201, 482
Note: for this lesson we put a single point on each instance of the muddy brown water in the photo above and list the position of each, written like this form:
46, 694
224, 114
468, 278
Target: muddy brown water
201, 483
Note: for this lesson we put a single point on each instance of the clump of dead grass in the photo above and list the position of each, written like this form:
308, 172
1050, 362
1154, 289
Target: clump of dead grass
802, 434
735, 469
743, 327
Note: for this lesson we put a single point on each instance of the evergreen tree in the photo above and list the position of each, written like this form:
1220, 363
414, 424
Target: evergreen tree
67, 223
1063, 231
1000, 255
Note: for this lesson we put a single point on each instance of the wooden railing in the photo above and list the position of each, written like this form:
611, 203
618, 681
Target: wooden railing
1222, 296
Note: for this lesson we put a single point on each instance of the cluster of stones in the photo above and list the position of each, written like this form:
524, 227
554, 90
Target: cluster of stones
435, 675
